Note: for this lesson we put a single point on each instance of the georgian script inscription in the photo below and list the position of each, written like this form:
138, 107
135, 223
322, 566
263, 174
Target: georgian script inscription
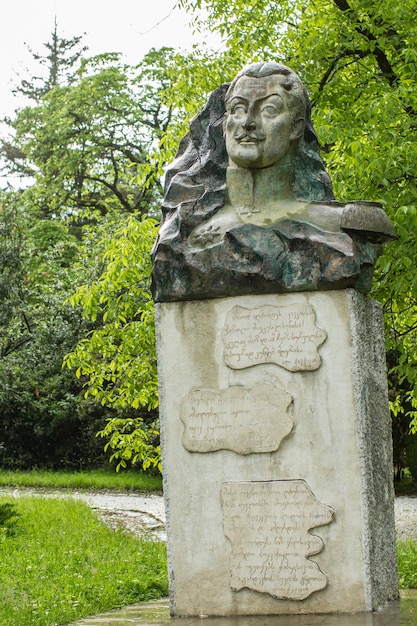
267, 524
285, 335
243, 419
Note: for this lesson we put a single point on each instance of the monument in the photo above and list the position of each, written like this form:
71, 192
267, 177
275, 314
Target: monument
274, 413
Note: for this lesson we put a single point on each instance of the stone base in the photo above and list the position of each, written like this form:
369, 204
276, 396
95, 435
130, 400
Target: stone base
277, 455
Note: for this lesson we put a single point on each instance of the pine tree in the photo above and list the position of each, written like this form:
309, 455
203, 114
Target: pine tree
61, 60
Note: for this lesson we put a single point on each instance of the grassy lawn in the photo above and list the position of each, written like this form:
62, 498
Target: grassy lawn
407, 550
106, 479
58, 563
407, 563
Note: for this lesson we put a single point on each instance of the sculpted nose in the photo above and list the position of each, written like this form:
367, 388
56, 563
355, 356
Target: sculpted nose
250, 120
249, 125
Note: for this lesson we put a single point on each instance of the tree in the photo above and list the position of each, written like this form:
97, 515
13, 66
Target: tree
117, 359
85, 142
358, 59
11, 273
44, 420
94, 152
91, 150
61, 61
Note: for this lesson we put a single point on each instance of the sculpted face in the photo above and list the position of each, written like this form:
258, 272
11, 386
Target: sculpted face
259, 127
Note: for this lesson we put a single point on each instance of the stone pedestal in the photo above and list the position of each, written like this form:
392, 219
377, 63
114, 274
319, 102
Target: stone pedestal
276, 454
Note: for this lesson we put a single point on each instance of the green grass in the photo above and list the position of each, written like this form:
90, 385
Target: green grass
91, 480
407, 564
59, 563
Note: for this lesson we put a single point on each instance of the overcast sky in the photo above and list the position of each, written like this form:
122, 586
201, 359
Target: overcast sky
128, 26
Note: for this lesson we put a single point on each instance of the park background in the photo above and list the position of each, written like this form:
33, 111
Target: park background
83, 155
84, 143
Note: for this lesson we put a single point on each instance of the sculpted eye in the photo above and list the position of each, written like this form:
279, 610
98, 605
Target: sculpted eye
272, 106
270, 110
238, 110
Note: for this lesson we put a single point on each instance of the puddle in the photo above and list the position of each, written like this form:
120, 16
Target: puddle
402, 613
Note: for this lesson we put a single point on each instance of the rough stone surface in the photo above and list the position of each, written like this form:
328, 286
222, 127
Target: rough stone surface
375, 445
287, 336
242, 419
339, 446
267, 523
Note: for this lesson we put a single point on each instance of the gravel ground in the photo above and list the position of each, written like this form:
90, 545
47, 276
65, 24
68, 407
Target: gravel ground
134, 513
406, 517
137, 513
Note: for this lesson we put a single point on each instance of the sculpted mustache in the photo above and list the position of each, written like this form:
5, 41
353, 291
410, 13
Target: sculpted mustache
251, 136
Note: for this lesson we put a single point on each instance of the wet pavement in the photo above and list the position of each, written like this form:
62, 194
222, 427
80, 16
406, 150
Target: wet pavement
402, 613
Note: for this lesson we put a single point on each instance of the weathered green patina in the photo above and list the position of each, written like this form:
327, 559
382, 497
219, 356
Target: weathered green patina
249, 207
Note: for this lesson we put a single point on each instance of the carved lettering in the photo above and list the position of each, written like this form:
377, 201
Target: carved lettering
242, 419
267, 524
285, 335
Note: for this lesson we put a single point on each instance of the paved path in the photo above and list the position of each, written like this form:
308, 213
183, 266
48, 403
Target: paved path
136, 512
406, 517
133, 512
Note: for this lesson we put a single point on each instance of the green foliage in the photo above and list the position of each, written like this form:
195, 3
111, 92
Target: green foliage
121, 300
84, 142
44, 422
411, 455
60, 59
407, 560
117, 360
358, 60
14, 326
93, 147
132, 441
63, 564
104, 478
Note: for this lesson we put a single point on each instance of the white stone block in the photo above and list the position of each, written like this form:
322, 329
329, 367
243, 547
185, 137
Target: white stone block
266, 399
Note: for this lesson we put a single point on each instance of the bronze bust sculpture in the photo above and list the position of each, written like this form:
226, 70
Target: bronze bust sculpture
248, 206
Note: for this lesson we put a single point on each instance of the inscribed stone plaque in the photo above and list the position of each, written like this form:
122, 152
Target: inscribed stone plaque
267, 524
242, 419
285, 335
